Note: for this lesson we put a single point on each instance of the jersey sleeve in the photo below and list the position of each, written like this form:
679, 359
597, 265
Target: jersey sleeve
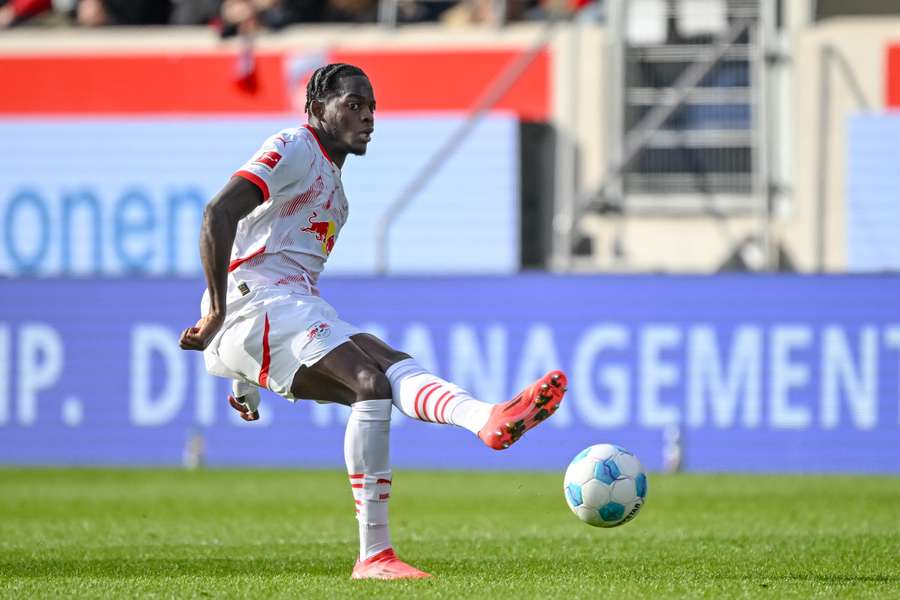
278, 164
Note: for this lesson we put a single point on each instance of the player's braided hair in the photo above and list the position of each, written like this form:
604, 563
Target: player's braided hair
324, 81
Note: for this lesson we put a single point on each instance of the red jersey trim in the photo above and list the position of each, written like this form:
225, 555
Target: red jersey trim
266, 357
321, 147
239, 261
255, 179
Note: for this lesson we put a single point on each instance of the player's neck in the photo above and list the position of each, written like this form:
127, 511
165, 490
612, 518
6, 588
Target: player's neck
329, 144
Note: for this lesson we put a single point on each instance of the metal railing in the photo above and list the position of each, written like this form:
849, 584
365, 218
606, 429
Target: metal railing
735, 175
609, 193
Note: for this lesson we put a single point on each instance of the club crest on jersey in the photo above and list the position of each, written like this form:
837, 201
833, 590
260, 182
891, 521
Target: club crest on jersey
318, 331
268, 159
324, 232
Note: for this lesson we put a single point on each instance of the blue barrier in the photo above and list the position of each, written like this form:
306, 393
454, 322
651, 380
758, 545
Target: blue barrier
758, 373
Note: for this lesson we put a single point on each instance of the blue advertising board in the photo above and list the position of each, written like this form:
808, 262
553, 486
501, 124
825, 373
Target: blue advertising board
764, 374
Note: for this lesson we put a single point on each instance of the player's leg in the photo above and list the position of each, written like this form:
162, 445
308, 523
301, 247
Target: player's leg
426, 397
421, 395
349, 376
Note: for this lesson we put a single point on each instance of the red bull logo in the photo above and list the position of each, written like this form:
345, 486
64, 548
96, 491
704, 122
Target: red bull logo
318, 331
324, 232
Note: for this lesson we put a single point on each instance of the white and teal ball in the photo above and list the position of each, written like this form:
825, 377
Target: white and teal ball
605, 485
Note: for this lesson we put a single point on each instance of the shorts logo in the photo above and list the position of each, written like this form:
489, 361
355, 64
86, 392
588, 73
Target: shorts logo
268, 159
318, 331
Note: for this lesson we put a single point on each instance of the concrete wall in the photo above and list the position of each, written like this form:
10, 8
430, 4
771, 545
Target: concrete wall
863, 43
579, 96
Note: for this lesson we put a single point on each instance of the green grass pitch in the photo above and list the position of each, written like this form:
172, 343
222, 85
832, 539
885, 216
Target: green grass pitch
266, 534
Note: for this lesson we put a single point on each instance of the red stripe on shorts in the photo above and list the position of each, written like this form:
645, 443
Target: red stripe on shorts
266, 358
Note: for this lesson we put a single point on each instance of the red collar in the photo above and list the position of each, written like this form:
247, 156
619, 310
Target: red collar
324, 151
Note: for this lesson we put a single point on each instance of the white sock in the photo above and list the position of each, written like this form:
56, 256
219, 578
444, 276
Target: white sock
366, 452
426, 397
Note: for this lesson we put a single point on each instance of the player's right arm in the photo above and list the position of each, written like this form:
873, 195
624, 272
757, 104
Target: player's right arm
220, 221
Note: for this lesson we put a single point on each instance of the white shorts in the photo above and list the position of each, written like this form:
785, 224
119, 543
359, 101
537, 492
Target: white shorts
270, 335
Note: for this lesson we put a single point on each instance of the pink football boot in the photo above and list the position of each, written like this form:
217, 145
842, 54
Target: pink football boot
386, 565
508, 421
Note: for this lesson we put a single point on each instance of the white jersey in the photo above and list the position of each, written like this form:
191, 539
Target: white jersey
274, 320
286, 240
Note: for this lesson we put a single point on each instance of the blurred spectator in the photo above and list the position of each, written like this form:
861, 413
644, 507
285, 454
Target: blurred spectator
94, 13
233, 17
351, 11
248, 16
470, 11
487, 12
590, 10
13, 12
195, 12
415, 11
304, 11
239, 16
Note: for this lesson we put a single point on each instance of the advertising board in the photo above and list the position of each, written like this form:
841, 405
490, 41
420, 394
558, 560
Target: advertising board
765, 374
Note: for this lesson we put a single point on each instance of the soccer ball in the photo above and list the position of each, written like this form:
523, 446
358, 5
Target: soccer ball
605, 485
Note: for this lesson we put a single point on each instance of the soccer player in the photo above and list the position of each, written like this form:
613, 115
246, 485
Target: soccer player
264, 241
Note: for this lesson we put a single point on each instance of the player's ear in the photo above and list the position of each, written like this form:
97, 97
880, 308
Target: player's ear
317, 109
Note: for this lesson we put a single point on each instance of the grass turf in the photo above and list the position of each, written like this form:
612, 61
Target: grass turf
241, 533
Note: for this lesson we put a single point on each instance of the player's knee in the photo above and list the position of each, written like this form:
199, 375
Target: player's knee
371, 384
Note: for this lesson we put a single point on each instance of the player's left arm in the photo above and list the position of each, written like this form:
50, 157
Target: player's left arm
261, 177
220, 220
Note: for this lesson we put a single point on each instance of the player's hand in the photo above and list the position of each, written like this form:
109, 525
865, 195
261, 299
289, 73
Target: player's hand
199, 336
245, 399
240, 405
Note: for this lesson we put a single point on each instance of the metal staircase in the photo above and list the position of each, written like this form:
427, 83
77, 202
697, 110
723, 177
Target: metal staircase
707, 152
